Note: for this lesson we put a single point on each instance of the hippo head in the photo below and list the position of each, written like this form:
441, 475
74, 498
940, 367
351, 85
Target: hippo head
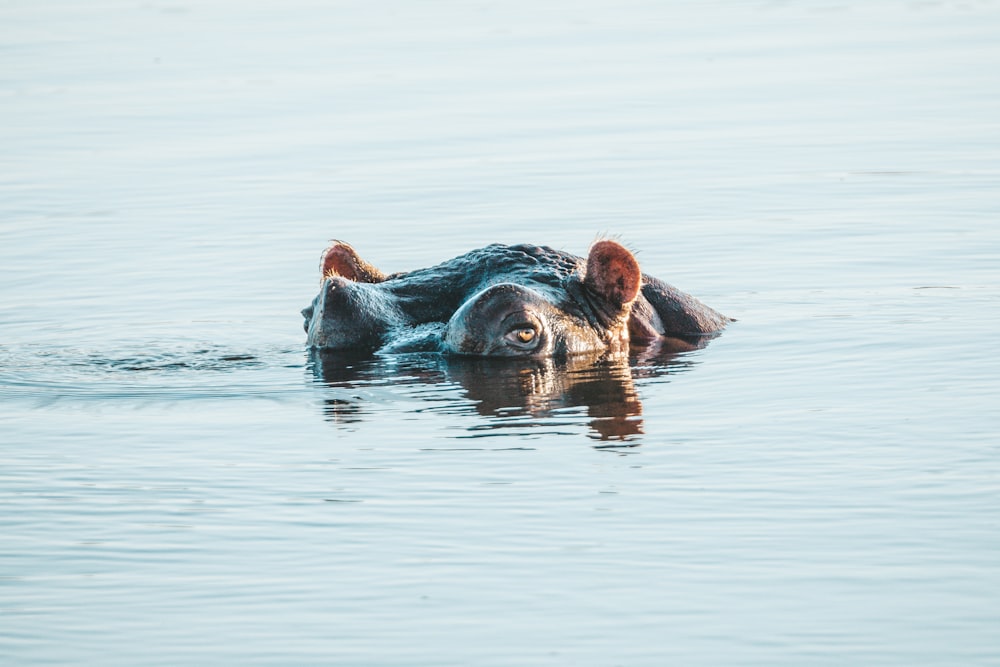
502, 301
583, 314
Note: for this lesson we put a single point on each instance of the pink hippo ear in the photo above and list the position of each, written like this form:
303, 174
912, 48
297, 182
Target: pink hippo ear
613, 272
340, 259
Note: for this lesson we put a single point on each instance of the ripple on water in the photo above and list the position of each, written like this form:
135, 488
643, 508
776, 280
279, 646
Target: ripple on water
472, 399
44, 374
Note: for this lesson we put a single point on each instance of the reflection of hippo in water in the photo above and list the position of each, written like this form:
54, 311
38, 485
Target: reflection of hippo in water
511, 394
504, 301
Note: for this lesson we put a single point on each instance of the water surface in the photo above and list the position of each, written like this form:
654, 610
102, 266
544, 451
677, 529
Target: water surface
181, 483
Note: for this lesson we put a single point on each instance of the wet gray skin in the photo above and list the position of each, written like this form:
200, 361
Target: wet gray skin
504, 301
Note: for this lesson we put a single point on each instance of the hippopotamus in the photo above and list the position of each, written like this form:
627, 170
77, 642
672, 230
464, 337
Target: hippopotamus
504, 301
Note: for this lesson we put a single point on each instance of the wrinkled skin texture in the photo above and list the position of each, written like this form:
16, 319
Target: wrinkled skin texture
505, 301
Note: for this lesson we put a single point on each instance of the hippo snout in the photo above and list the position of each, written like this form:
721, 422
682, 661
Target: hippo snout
347, 315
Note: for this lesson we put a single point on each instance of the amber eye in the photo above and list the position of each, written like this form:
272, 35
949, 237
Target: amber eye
523, 336
522, 332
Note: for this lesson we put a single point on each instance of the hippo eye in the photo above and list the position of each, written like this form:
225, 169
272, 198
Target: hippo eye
525, 335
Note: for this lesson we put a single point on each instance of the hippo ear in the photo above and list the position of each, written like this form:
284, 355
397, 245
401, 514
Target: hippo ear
340, 259
613, 273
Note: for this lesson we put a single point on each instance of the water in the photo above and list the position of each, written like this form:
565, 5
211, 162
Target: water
181, 484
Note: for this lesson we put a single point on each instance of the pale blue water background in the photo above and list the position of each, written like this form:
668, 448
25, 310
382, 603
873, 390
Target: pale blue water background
819, 486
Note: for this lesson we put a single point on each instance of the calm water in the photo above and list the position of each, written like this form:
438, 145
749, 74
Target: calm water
181, 484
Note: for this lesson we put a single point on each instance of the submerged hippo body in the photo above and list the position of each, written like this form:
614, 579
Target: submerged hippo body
504, 301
